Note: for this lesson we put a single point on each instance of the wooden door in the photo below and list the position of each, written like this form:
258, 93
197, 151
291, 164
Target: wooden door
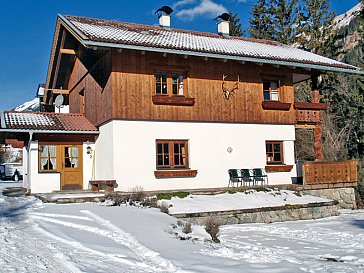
71, 167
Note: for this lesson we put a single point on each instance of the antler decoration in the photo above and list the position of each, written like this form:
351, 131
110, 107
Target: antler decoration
229, 93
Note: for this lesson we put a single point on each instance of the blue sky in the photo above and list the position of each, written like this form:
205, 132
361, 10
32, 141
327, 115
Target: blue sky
27, 29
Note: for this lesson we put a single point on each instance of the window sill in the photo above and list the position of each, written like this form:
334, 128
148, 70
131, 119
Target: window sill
175, 173
173, 100
278, 168
276, 105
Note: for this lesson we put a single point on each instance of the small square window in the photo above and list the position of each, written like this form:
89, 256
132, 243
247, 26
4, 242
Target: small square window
271, 90
274, 152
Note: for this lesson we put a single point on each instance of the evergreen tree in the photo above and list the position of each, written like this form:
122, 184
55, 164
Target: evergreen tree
283, 15
261, 23
314, 25
236, 28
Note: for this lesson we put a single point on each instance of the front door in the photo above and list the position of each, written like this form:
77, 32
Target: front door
71, 167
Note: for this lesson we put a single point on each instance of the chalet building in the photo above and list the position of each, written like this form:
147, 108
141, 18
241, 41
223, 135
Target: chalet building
165, 108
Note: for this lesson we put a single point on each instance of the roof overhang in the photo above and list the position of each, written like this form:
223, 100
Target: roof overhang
89, 43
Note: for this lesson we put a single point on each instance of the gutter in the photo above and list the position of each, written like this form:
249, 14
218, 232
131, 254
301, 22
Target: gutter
48, 131
28, 182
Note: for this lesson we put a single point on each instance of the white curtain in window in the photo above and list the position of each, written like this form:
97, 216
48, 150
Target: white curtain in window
52, 155
74, 153
44, 156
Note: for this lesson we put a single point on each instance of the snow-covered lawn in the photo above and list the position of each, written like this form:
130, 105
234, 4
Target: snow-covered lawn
36, 237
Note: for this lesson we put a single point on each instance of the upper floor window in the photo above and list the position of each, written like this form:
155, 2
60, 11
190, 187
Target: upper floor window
271, 90
169, 83
274, 152
172, 154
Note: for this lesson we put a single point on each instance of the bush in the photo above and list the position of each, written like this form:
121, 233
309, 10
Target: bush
168, 196
187, 228
359, 194
137, 194
164, 207
212, 227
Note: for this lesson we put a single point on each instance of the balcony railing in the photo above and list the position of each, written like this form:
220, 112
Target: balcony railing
343, 172
309, 112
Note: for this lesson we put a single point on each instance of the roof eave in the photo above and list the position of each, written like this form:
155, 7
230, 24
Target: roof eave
48, 131
87, 42
220, 56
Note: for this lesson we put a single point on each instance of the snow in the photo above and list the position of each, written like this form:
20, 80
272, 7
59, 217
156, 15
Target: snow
240, 200
36, 237
345, 18
31, 106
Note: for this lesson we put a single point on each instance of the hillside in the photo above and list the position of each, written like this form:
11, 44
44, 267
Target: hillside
349, 45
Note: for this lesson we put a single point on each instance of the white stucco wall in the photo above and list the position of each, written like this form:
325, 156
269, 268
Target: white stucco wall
126, 152
41, 182
88, 160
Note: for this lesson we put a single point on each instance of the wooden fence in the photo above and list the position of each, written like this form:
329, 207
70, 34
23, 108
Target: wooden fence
315, 173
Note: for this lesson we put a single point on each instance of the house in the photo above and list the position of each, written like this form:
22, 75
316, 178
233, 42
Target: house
174, 109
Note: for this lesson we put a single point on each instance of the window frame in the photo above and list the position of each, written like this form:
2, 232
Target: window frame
171, 154
281, 152
277, 91
170, 70
40, 170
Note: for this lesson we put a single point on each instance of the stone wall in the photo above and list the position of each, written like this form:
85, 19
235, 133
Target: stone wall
265, 215
345, 196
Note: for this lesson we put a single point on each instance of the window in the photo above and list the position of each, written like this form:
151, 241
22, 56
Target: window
172, 154
70, 157
82, 101
47, 158
169, 84
271, 90
274, 152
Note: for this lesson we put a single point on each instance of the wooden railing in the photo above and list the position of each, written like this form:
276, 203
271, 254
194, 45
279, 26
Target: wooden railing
308, 116
309, 112
330, 172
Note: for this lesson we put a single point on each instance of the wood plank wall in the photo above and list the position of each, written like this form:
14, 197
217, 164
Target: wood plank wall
129, 90
97, 101
133, 84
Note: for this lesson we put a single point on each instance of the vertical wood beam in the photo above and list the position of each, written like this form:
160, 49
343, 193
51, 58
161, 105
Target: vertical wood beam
317, 131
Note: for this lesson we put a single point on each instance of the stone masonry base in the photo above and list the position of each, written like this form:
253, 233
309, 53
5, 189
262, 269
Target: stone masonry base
265, 215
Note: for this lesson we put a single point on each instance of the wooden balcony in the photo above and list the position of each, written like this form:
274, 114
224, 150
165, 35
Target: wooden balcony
309, 113
333, 174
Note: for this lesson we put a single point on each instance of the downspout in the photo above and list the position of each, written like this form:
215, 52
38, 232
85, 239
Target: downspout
28, 173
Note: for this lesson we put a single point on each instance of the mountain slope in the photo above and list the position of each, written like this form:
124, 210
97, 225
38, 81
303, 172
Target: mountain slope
29, 106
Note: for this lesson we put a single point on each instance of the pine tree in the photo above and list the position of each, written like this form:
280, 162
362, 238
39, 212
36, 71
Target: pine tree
283, 15
261, 22
236, 28
314, 23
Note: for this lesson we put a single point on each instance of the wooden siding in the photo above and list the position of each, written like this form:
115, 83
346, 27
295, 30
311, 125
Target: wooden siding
97, 100
133, 86
330, 172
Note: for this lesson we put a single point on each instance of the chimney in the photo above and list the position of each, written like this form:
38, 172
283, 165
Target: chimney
223, 28
165, 21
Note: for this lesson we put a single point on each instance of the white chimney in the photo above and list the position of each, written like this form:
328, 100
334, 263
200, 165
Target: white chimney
223, 28
165, 21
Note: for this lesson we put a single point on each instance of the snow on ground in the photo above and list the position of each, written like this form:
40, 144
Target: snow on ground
240, 200
36, 237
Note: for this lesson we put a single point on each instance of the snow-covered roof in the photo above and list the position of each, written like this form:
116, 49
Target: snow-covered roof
42, 121
99, 32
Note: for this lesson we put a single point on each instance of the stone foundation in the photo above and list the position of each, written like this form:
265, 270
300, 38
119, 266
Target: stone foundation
345, 196
265, 215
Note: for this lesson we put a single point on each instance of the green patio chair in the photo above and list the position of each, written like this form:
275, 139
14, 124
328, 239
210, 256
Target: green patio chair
234, 178
260, 176
246, 177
